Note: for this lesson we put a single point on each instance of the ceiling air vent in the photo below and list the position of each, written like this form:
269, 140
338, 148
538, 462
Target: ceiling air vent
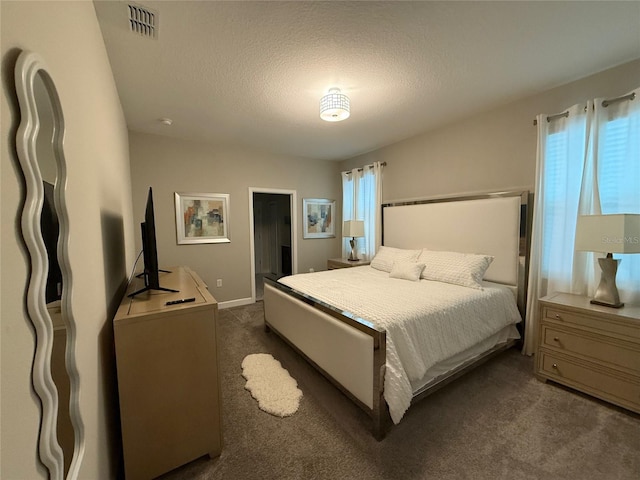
143, 21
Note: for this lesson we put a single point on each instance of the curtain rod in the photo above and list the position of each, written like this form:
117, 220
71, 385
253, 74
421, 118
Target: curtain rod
605, 103
383, 164
631, 96
553, 117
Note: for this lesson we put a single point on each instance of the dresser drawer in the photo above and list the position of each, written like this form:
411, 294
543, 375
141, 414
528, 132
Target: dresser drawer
620, 329
605, 349
620, 389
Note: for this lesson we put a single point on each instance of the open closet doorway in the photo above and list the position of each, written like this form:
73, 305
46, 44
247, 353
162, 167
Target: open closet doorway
273, 234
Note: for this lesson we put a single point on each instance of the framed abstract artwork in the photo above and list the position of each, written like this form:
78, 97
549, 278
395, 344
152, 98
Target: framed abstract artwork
202, 218
319, 218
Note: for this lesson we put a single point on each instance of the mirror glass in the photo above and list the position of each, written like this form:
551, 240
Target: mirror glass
50, 229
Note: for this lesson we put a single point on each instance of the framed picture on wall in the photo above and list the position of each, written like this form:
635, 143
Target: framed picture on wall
319, 218
202, 218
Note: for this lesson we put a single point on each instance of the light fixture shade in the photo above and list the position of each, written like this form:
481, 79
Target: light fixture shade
353, 228
335, 106
617, 233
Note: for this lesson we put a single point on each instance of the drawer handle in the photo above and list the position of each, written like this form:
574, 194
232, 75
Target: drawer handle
555, 365
558, 317
556, 339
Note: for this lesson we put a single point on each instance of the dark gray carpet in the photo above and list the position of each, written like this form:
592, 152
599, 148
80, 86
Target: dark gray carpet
497, 422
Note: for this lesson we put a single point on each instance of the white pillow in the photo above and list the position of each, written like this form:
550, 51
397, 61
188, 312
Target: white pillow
387, 256
407, 271
466, 269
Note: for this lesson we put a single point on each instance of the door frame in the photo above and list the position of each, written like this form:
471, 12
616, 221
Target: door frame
293, 207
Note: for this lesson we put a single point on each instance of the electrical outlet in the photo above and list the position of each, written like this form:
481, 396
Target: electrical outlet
219, 282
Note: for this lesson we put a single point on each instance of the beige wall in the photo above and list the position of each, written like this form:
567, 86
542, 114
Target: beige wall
170, 165
492, 151
68, 38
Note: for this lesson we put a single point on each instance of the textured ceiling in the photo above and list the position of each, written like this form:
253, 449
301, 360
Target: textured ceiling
253, 72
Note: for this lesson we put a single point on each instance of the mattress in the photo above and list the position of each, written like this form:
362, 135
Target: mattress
426, 322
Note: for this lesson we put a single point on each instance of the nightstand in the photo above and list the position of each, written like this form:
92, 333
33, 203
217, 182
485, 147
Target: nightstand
334, 263
591, 348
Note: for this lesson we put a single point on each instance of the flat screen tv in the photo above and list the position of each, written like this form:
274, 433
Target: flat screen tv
151, 273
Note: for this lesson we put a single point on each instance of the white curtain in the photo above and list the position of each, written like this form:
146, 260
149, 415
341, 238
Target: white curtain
617, 151
588, 162
362, 200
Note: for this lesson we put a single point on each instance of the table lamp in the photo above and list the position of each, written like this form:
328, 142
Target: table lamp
353, 229
617, 233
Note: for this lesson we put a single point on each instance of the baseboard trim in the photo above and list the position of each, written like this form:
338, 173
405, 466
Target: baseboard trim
235, 303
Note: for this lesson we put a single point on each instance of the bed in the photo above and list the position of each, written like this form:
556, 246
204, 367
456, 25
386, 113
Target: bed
393, 332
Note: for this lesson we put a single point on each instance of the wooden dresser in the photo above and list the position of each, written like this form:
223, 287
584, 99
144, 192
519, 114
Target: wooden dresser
591, 348
166, 357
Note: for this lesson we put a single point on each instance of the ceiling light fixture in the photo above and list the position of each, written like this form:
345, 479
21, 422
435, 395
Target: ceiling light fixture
334, 106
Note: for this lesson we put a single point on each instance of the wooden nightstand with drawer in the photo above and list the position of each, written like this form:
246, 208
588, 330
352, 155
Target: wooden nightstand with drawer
591, 348
334, 263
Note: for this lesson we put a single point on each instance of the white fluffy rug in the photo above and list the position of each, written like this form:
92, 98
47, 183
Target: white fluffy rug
271, 385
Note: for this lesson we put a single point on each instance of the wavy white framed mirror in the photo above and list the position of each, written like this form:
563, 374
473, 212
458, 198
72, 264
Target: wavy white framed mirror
45, 229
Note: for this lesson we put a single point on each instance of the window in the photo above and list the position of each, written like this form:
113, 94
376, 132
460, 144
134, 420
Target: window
361, 200
588, 163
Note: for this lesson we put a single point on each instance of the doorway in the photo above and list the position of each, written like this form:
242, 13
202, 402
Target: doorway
273, 236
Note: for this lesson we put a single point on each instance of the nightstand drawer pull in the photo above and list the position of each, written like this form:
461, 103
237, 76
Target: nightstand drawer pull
556, 339
558, 317
555, 365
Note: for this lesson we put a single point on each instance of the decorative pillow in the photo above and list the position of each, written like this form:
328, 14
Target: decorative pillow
407, 271
466, 269
387, 256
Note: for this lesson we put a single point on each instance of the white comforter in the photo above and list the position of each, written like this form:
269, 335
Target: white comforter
426, 321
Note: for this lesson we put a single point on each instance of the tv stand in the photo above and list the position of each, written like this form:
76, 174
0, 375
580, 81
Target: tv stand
140, 275
159, 289
148, 287
168, 385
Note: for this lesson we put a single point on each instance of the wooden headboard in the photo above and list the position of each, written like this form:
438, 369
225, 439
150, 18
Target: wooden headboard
492, 224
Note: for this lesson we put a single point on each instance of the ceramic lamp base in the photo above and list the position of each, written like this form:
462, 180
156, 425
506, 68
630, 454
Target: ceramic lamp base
353, 257
607, 292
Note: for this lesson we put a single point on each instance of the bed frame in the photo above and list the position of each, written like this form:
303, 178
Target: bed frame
350, 351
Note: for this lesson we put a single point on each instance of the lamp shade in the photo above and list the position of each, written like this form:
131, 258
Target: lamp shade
335, 106
353, 228
618, 233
